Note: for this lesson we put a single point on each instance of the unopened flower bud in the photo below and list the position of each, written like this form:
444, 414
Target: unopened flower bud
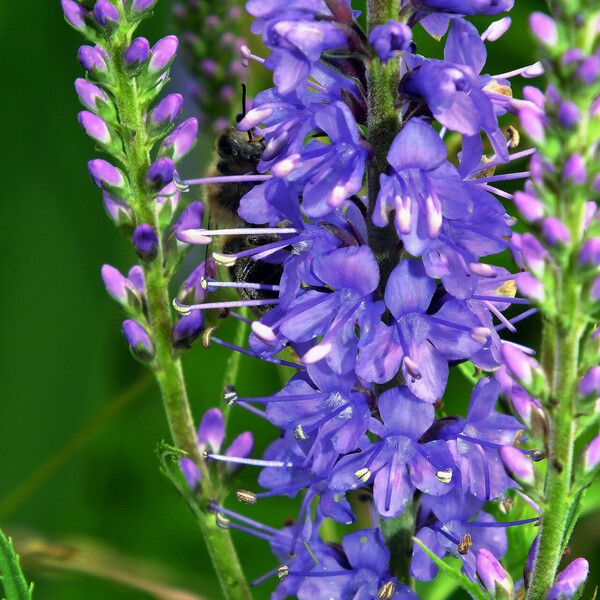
117, 285
160, 173
532, 122
590, 252
570, 581
589, 70
163, 54
523, 368
544, 28
529, 206
211, 432
187, 329
568, 114
106, 176
534, 254
119, 213
74, 14
519, 466
142, 5
192, 291
166, 111
555, 232
591, 456
145, 242
530, 287
106, 14
181, 140
241, 447
493, 576
574, 169
93, 59
139, 341
95, 127
90, 95
390, 39
137, 53
496, 30
190, 472
590, 382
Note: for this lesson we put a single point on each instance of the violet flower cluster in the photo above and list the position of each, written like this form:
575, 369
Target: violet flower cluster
211, 48
363, 410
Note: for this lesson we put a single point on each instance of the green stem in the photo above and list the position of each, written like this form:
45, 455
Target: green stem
167, 366
384, 123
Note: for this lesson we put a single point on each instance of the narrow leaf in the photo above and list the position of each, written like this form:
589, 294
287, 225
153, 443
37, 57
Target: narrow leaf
13, 580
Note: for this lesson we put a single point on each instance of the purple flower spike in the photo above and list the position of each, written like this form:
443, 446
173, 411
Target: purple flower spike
181, 141
555, 231
139, 341
163, 54
95, 127
166, 111
160, 173
137, 52
145, 242
591, 455
93, 59
570, 581
89, 94
211, 432
74, 14
492, 574
106, 13
568, 114
544, 28
241, 447
590, 252
187, 329
142, 5
391, 39
519, 466
105, 175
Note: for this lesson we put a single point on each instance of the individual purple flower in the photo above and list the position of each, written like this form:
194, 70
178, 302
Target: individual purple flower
570, 581
544, 28
139, 341
454, 90
590, 382
423, 188
90, 95
391, 39
466, 7
418, 343
518, 465
141, 6
160, 173
187, 329
353, 275
475, 442
455, 524
137, 52
398, 463
75, 14
93, 59
329, 173
591, 455
119, 287
194, 289
106, 176
95, 127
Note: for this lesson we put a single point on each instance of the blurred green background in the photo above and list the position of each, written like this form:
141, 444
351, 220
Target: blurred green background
64, 363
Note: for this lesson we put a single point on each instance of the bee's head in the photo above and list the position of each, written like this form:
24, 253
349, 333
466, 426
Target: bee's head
234, 144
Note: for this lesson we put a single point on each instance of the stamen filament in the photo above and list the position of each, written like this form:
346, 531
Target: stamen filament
255, 462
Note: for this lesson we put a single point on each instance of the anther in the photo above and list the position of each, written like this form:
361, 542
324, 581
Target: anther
230, 395
182, 309
206, 336
222, 521
224, 259
444, 476
514, 137
465, 544
363, 475
411, 367
505, 505
282, 572
246, 497
299, 433
386, 591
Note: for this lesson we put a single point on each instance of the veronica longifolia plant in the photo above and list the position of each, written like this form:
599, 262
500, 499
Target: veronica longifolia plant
383, 240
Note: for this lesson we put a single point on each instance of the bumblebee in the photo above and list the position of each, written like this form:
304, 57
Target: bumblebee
238, 153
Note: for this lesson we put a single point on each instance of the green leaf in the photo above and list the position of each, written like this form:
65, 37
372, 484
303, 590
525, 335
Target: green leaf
454, 572
13, 580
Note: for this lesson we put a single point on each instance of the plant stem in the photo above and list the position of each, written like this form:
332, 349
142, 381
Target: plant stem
384, 123
167, 366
